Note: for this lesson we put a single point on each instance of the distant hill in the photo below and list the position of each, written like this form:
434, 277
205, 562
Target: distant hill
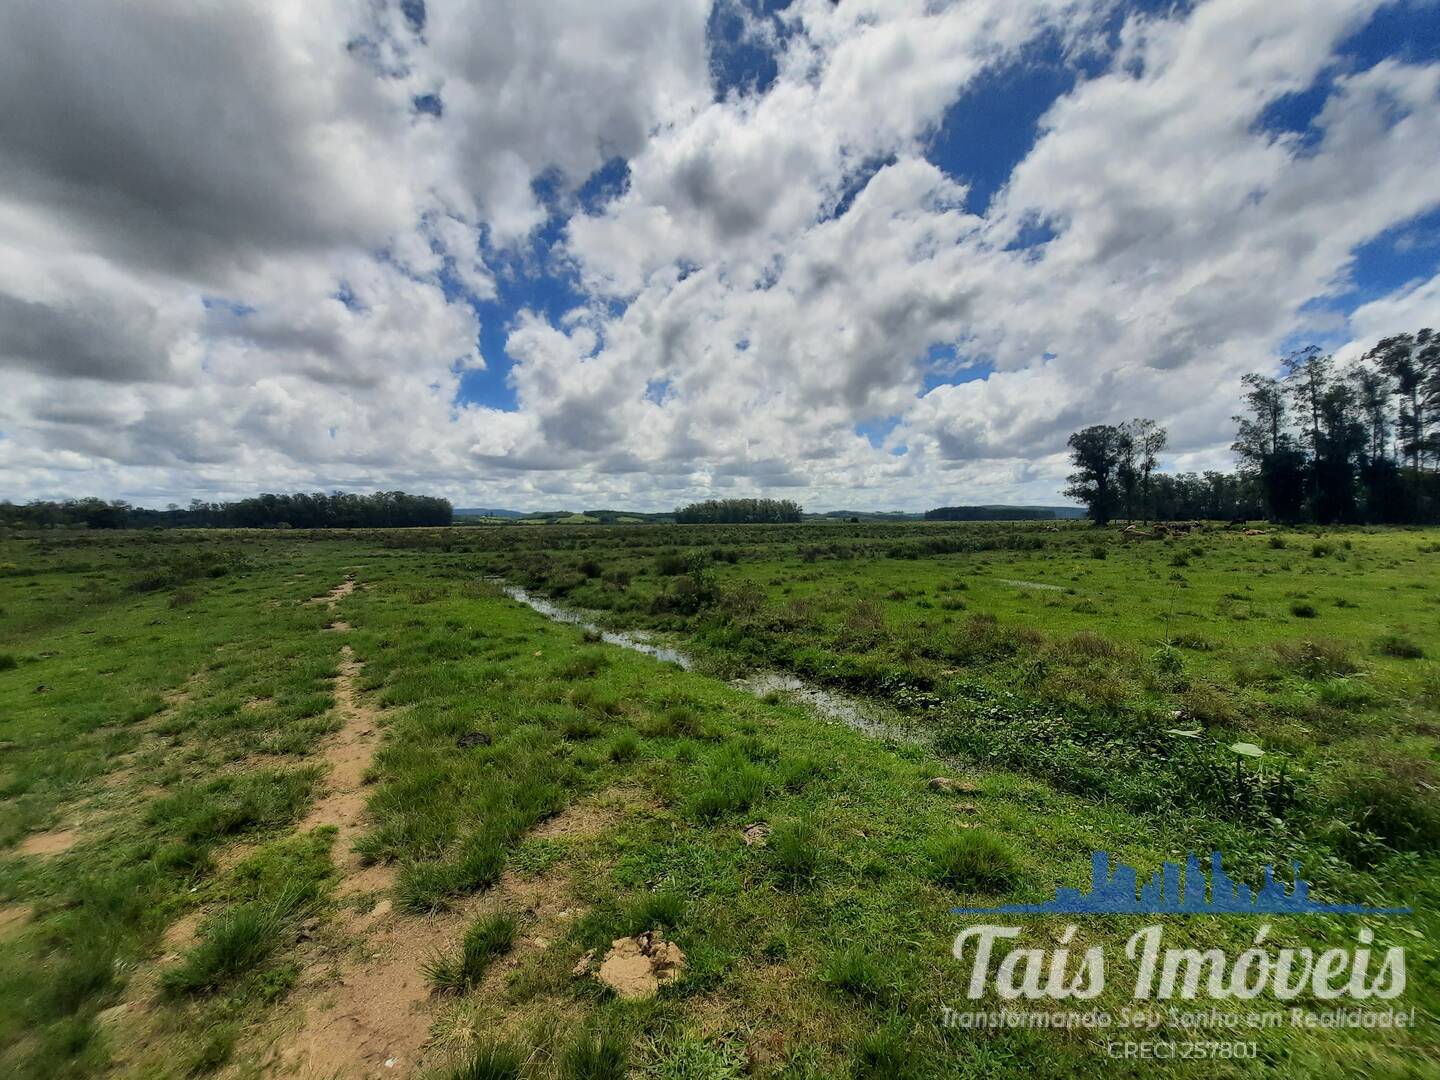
476, 511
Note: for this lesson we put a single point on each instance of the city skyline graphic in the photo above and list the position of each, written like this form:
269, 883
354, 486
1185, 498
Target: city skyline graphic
1117, 891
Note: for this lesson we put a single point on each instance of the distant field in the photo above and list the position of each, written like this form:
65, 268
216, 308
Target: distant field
276, 804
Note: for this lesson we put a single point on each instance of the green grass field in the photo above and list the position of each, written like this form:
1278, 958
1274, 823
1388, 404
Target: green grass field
291, 804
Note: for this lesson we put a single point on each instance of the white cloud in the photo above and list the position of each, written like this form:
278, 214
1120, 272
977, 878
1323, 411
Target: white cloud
228, 242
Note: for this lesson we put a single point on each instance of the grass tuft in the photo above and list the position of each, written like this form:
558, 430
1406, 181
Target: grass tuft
973, 859
236, 942
795, 851
488, 937
496, 1061
595, 1057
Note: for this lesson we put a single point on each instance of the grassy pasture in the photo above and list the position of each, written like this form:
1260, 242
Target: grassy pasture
169, 701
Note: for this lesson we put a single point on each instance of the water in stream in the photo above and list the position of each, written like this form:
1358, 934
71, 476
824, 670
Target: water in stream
856, 713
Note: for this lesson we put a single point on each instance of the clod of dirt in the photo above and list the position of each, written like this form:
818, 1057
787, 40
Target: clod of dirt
473, 738
755, 835
951, 786
584, 964
637, 967
965, 807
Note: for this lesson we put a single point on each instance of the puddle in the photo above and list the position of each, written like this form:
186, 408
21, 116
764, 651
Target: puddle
865, 717
612, 637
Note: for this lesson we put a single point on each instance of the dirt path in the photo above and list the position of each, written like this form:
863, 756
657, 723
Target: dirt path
363, 994
347, 753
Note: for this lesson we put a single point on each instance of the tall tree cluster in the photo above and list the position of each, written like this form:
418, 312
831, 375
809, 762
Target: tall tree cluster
1331, 445
738, 512
1316, 443
1115, 468
337, 510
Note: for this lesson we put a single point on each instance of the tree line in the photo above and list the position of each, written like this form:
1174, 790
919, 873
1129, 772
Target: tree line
318, 510
739, 512
1316, 443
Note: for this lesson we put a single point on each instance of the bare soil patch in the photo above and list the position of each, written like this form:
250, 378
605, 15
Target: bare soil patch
44, 844
13, 918
335, 595
367, 1011
347, 753
591, 816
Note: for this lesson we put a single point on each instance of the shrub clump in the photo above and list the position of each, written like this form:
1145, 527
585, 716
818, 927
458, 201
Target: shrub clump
1396, 803
1314, 658
1402, 648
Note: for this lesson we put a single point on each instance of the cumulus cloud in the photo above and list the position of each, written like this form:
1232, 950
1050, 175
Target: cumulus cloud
247, 245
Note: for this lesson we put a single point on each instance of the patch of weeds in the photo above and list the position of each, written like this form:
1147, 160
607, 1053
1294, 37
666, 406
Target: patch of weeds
579, 727
973, 859
1302, 609
212, 1051
1316, 658
1192, 641
585, 664
424, 885
1087, 645
1207, 705
678, 720
794, 772
534, 855
693, 1058
488, 937
591, 698
1396, 802
1401, 648
296, 865
1345, 694
266, 798
664, 908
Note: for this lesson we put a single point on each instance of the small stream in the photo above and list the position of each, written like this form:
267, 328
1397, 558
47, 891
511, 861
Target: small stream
552, 610
863, 716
